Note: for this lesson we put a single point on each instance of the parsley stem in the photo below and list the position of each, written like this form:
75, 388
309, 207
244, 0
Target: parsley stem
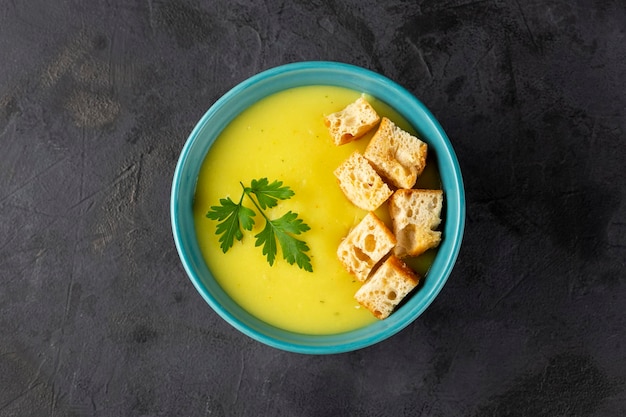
242, 194
246, 192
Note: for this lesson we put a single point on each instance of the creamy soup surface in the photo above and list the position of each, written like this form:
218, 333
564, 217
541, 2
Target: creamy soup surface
283, 137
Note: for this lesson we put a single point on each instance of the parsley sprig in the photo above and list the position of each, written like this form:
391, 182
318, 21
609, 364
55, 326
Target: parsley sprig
233, 217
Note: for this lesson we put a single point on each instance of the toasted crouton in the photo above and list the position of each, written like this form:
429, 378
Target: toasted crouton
365, 245
387, 286
396, 154
349, 124
361, 184
414, 215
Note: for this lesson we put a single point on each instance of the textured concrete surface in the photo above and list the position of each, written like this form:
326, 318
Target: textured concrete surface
97, 317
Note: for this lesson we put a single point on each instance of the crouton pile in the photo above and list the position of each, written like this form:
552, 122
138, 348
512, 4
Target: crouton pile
384, 174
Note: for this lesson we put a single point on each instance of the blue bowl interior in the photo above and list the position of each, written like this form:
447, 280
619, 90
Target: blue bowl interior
248, 93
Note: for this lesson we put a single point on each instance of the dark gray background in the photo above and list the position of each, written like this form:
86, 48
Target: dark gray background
97, 316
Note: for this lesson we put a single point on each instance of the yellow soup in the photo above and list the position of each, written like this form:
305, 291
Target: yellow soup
283, 137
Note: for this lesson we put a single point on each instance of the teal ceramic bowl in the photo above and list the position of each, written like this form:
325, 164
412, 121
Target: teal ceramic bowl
248, 93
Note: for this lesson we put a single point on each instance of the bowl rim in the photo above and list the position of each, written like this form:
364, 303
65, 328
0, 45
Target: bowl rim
276, 79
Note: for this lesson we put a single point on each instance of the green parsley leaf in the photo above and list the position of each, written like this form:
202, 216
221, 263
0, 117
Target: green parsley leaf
232, 217
290, 223
293, 249
268, 194
268, 240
